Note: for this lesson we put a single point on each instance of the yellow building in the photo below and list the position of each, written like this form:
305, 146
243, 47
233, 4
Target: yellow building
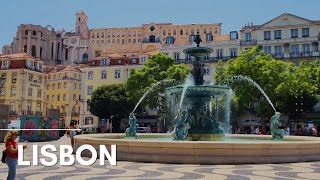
105, 70
63, 92
24, 87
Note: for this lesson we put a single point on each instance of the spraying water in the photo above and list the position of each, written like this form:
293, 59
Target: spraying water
150, 89
229, 95
189, 81
240, 77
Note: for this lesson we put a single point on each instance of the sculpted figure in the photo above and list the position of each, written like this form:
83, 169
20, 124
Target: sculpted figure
180, 132
132, 130
276, 132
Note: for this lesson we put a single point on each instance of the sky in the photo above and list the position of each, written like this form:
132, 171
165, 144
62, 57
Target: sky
233, 14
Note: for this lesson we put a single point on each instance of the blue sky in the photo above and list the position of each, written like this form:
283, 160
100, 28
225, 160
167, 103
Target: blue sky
121, 13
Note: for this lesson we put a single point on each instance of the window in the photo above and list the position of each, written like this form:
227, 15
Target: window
248, 36
187, 57
64, 85
306, 49
75, 85
48, 86
134, 34
294, 33
38, 107
59, 85
12, 107
129, 40
90, 90
219, 53
102, 35
13, 91
134, 41
123, 41
40, 79
47, 97
187, 32
139, 33
103, 74
29, 107
143, 59
191, 38
169, 40
74, 97
14, 77
267, 49
233, 35
52, 98
90, 75
98, 35
104, 62
164, 32
129, 33
123, 34
295, 50
29, 91
305, 32
174, 32
64, 97
278, 51
181, 32
58, 97
113, 34
192, 31
30, 77
53, 86
233, 52
209, 37
267, 35
277, 34
176, 56
39, 93
117, 74
108, 34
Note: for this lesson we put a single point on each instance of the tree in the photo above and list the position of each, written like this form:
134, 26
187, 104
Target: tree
281, 81
111, 102
158, 67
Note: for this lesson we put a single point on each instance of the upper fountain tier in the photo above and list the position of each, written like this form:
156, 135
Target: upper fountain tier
197, 52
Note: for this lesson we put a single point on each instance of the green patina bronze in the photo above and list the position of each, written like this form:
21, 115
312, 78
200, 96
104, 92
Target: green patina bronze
275, 127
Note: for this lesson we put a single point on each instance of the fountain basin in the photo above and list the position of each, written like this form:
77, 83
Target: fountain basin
197, 52
206, 91
160, 148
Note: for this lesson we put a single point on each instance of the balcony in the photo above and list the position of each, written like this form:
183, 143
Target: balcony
297, 54
248, 43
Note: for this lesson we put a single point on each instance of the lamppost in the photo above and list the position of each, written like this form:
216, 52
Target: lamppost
73, 110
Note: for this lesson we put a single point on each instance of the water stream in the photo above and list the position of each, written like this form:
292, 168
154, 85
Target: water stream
240, 77
150, 89
189, 81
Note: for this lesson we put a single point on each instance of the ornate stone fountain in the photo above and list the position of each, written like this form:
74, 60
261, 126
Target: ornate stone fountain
197, 121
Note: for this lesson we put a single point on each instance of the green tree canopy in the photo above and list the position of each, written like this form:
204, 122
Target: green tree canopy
158, 67
110, 100
281, 81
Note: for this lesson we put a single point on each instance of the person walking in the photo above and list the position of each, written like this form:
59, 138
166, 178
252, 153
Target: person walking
12, 153
72, 133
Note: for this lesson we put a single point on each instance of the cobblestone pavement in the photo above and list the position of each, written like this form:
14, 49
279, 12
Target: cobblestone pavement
133, 170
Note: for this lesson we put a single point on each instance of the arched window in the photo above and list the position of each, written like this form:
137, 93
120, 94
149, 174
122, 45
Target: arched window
58, 50
25, 49
79, 19
85, 58
34, 32
52, 51
152, 38
40, 52
33, 51
66, 54
26, 32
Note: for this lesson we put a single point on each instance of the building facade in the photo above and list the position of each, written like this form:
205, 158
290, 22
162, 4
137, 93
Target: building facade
63, 92
287, 37
23, 89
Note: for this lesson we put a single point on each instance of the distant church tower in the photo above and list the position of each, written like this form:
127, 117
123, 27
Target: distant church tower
82, 24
